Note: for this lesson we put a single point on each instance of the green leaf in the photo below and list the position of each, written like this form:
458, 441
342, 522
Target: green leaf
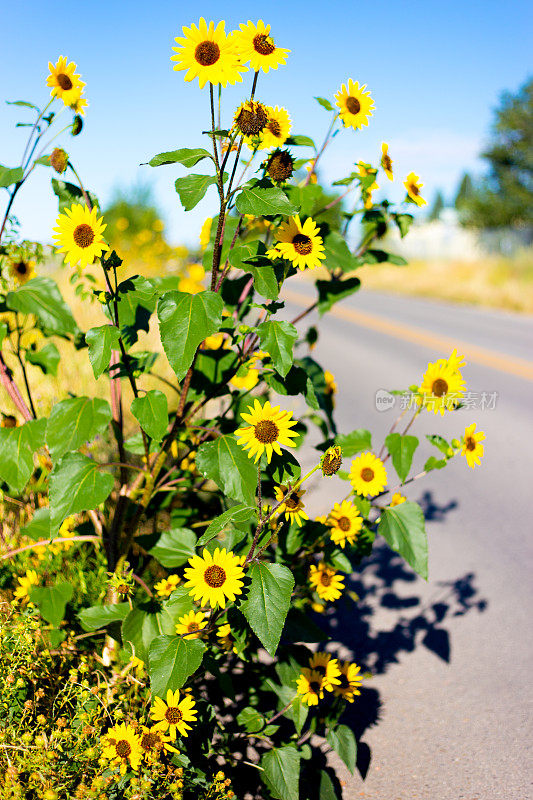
139, 629
249, 256
137, 297
404, 531
47, 358
185, 320
354, 442
174, 547
185, 156
75, 421
373, 256
300, 141
327, 789
264, 201
325, 103
100, 342
40, 296
52, 601
402, 449
267, 602
68, 194
342, 740
228, 465
330, 292
16, 462
404, 222
22, 103
96, 617
278, 339
251, 720
440, 442
434, 463
192, 188
151, 412
281, 774
172, 660
338, 253
10, 175
39, 527
76, 484
236, 514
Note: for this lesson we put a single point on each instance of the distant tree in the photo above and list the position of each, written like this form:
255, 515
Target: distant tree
437, 207
505, 197
464, 192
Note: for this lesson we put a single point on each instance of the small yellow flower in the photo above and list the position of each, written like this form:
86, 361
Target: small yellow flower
226, 638
121, 745
256, 45
174, 715
355, 104
368, 475
214, 579
79, 105
205, 233
268, 428
331, 384
79, 235
64, 80
310, 685
250, 118
292, 505
386, 161
397, 499
166, 586
472, 448
345, 522
22, 270
327, 667
208, 54
191, 623
26, 583
299, 243
250, 379
350, 681
442, 386
153, 741
276, 131
325, 580
413, 187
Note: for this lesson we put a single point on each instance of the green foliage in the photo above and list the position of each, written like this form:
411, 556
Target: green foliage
403, 529
402, 449
185, 156
192, 188
75, 421
40, 296
225, 463
267, 602
278, 339
281, 772
264, 200
173, 660
100, 342
76, 484
151, 411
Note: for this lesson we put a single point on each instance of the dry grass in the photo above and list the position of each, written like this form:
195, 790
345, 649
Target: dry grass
494, 282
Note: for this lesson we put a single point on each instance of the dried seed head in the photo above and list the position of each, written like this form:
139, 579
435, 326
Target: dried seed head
279, 166
331, 461
58, 160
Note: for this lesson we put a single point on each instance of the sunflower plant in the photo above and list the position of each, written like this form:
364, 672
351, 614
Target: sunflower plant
209, 587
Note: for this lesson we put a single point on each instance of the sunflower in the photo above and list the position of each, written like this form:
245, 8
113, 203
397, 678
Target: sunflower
247, 381
22, 270
256, 45
191, 623
331, 462
326, 581
310, 685
174, 715
454, 361
472, 448
413, 187
26, 583
268, 428
121, 745
79, 232
300, 244
250, 118
65, 83
215, 578
355, 105
153, 742
205, 232
386, 161
442, 386
345, 522
292, 505
350, 681
208, 54
279, 166
275, 132
368, 475
79, 105
226, 638
166, 586
331, 383
327, 667
397, 499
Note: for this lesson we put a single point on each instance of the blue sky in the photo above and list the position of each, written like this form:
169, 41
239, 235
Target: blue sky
435, 71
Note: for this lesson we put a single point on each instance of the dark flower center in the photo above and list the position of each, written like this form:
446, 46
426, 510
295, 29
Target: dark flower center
280, 166
315, 687
149, 741
353, 105
274, 127
344, 523
325, 579
367, 474
173, 715
264, 44
470, 443
64, 81
83, 235
252, 119
214, 576
266, 431
320, 668
344, 682
292, 501
331, 463
439, 387
193, 626
21, 268
413, 188
123, 748
387, 162
302, 244
207, 53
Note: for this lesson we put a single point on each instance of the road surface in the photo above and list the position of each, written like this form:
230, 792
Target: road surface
447, 713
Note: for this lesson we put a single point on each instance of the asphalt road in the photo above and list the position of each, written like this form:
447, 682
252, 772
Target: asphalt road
447, 713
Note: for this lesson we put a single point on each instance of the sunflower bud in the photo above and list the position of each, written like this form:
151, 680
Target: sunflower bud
251, 118
280, 166
77, 125
58, 160
331, 461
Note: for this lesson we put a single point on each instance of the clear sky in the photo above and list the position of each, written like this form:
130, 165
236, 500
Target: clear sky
435, 71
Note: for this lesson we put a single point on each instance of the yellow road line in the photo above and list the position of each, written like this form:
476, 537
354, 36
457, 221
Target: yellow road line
444, 344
